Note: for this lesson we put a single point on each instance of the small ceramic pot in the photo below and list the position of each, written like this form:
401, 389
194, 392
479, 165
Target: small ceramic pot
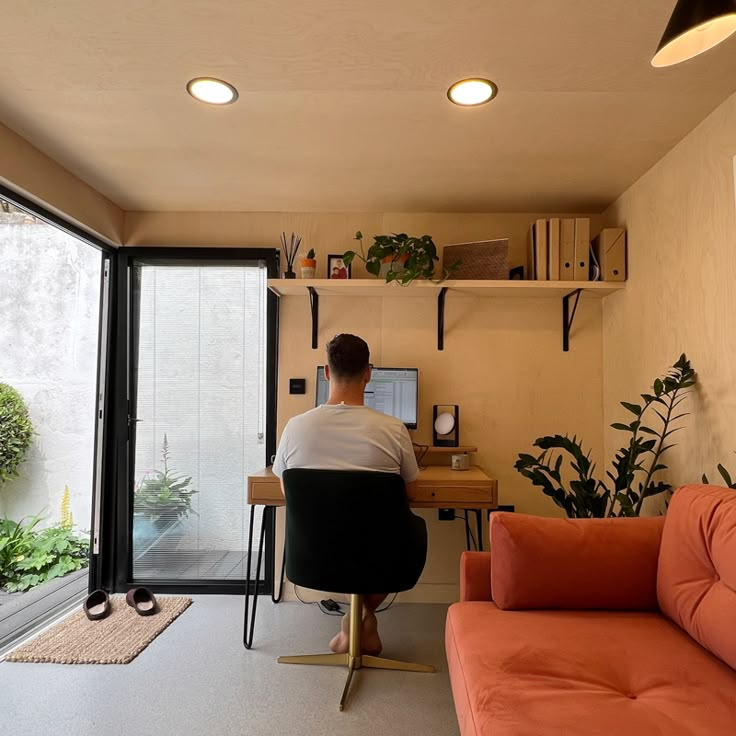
309, 267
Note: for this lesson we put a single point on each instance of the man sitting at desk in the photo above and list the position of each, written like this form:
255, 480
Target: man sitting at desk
344, 434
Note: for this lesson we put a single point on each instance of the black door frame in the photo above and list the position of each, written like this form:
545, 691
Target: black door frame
117, 518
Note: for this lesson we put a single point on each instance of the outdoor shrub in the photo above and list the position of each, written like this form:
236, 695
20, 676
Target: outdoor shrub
29, 557
164, 496
16, 431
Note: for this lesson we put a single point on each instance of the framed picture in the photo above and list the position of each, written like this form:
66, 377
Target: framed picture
336, 268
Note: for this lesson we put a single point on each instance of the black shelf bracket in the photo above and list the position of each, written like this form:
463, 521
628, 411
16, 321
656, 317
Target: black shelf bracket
441, 318
314, 306
567, 318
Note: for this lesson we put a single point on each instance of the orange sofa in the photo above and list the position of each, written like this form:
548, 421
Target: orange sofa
600, 627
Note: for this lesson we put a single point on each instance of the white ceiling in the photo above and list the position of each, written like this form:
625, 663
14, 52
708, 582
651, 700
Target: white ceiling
343, 103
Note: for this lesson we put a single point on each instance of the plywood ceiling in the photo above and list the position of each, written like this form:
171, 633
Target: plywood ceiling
342, 103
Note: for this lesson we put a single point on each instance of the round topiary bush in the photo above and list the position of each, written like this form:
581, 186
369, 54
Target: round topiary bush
16, 431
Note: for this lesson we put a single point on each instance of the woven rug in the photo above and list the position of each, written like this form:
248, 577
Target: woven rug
117, 639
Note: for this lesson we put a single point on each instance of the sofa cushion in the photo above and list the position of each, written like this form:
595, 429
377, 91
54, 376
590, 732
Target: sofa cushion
607, 564
696, 583
598, 673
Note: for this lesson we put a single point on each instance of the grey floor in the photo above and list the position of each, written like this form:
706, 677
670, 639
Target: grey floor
197, 678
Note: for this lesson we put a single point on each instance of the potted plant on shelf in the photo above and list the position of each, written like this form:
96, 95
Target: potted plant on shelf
309, 265
398, 257
161, 500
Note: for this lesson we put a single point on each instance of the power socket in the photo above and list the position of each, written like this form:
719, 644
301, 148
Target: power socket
446, 514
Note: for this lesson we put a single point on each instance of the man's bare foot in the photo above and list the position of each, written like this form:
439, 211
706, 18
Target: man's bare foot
371, 643
340, 643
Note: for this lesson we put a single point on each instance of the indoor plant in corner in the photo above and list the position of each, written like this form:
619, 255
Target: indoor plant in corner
634, 466
161, 500
398, 257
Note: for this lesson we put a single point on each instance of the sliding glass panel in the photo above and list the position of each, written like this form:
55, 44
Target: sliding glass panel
50, 284
200, 415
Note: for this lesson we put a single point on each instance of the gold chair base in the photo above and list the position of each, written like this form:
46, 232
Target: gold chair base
353, 659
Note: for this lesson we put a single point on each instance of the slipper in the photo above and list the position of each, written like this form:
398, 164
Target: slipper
97, 605
142, 600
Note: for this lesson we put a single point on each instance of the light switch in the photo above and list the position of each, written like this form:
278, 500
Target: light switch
297, 385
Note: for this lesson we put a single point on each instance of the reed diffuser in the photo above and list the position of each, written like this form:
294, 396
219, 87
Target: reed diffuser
290, 252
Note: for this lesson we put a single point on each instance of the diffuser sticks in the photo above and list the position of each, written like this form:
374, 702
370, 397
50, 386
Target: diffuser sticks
290, 250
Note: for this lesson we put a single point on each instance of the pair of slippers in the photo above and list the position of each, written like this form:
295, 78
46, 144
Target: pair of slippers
97, 605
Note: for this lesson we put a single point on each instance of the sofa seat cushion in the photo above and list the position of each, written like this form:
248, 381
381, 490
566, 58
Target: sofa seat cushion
598, 673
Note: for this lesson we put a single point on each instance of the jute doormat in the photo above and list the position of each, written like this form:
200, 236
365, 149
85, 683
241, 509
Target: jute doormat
117, 639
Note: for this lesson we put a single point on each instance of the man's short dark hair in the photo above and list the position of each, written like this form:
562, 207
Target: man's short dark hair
348, 356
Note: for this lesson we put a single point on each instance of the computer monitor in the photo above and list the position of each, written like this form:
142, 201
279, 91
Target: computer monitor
391, 391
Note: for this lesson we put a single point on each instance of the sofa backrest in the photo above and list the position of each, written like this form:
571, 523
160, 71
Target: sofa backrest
584, 564
696, 579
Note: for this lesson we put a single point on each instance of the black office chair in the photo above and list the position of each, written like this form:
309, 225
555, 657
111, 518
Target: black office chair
352, 532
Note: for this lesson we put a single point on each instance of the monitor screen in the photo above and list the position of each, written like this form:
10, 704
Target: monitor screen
391, 391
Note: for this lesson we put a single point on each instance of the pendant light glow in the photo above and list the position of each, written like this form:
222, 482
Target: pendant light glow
695, 27
212, 91
471, 92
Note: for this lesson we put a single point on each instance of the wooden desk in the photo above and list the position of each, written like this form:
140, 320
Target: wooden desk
438, 487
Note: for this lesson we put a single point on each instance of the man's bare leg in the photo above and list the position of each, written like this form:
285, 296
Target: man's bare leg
371, 642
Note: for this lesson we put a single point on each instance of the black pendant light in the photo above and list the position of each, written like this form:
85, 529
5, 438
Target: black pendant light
695, 27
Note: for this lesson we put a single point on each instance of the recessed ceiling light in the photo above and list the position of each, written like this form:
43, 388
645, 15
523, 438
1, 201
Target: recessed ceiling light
695, 27
469, 92
212, 91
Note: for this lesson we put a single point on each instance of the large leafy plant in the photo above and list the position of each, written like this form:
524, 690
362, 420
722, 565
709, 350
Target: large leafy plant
29, 557
164, 496
409, 258
16, 431
636, 465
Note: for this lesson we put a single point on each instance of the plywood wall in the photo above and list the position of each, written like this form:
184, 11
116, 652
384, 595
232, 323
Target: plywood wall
502, 364
28, 171
681, 295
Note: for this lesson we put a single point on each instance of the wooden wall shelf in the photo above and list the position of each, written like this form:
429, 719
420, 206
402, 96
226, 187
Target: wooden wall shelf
378, 288
566, 290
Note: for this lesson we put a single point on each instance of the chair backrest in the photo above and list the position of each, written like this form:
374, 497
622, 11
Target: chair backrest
351, 532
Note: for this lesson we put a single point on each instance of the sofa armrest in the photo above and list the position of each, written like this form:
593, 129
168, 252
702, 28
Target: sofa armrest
475, 576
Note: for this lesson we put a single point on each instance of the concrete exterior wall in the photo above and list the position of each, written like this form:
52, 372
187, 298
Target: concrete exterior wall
49, 312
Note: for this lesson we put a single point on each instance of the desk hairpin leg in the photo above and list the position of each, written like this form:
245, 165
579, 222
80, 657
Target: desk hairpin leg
249, 625
276, 598
479, 527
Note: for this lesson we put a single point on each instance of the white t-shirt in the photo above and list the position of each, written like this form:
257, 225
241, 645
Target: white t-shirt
344, 437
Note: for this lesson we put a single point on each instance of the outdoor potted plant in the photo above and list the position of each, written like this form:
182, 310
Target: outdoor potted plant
398, 257
309, 265
162, 499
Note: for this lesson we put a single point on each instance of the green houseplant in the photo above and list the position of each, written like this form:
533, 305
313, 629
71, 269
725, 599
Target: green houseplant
635, 465
404, 258
16, 432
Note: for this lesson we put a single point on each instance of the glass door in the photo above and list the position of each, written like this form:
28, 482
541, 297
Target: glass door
201, 414
54, 293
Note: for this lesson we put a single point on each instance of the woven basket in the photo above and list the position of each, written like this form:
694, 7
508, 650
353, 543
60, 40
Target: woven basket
485, 259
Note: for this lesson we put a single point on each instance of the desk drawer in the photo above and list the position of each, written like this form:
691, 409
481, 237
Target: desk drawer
265, 491
444, 496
